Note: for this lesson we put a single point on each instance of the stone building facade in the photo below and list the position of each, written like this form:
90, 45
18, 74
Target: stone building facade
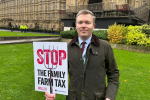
45, 14
134, 3
41, 13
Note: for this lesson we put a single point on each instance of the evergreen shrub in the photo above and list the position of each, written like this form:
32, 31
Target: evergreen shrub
146, 29
136, 37
117, 33
68, 34
101, 34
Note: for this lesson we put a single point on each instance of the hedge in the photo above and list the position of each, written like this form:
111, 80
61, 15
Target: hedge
101, 34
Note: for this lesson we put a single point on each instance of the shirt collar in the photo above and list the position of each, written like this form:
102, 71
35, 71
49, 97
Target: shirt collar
94, 40
87, 41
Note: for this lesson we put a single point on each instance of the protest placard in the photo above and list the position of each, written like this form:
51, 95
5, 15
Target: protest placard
51, 67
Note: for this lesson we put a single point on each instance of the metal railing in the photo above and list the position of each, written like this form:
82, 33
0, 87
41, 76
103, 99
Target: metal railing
101, 10
142, 12
109, 9
95, 7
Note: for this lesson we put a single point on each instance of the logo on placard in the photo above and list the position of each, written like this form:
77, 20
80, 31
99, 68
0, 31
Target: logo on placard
42, 88
60, 91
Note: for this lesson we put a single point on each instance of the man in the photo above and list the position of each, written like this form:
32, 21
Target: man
11, 27
21, 28
25, 28
15, 26
87, 70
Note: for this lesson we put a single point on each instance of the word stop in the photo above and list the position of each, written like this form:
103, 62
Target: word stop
44, 54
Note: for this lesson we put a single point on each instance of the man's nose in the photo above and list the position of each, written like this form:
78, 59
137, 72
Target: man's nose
83, 24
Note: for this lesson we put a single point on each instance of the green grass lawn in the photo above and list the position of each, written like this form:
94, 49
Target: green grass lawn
17, 74
7, 33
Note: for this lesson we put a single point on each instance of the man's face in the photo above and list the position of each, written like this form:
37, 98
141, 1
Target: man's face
84, 25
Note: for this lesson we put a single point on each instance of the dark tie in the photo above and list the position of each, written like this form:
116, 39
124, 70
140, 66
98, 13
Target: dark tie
83, 45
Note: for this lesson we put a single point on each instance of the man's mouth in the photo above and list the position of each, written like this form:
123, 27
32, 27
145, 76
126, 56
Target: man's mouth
83, 30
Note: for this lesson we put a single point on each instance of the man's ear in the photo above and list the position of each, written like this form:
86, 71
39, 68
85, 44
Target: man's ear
75, 24
94, 25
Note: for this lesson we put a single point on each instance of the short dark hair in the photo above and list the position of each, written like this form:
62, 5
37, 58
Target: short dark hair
86, 12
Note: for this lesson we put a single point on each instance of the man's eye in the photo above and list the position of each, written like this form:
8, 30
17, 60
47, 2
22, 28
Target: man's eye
79, 22
87, 22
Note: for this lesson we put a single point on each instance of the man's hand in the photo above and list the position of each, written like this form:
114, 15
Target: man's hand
50, 96
107, 99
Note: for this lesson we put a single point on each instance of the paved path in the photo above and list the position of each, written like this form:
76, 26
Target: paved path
26, 40
26, 32
13, 31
